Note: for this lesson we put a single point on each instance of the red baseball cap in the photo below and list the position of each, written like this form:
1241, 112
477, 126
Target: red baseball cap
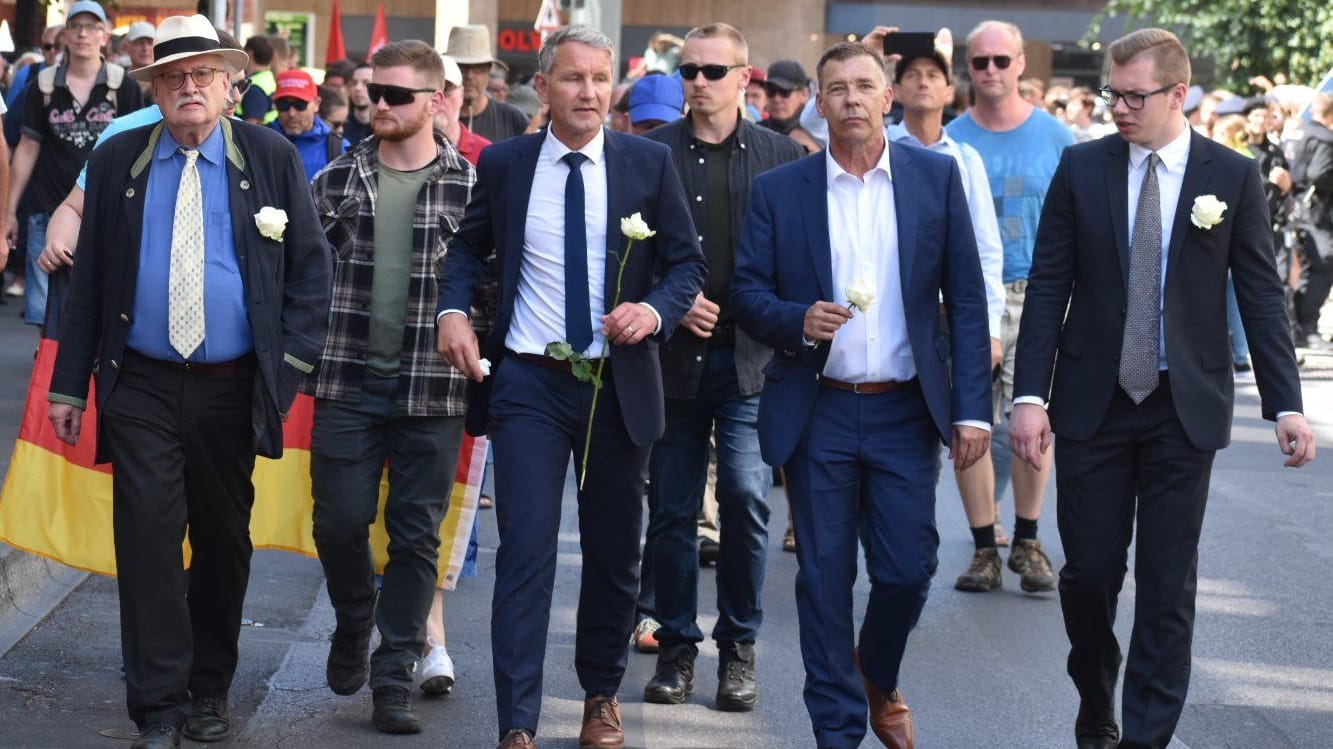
295, 84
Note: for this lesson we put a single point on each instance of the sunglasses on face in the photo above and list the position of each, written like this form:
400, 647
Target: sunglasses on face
1002, 62
394, 96
689, 71
282, 105
773, 90
242, 86
50, 47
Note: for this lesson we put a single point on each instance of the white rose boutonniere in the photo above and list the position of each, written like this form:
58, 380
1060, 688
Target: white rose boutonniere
272, 222
1207, 212
860, 295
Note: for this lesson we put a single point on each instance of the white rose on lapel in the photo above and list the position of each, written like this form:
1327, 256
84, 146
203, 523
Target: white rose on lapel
272, 222
1207, 212
634, 227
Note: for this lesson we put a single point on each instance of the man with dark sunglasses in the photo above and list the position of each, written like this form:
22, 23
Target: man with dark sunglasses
712, 374
787, 89
1021, 146
296, 99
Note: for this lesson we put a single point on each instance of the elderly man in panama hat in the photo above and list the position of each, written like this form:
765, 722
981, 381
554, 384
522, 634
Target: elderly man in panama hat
470, 47
202, 287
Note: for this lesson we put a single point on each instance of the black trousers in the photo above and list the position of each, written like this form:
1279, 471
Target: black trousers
1316, 251
181, 446
1139, 463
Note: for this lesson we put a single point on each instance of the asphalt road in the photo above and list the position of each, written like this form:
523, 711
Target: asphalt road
982, 670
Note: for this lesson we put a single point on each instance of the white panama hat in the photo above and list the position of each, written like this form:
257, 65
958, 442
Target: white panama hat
180, 37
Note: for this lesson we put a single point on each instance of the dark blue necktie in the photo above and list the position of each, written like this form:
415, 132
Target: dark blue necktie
578, 312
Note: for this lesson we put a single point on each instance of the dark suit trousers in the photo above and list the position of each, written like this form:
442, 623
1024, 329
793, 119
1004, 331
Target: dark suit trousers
181, 448
538, 418
865, 468
1139, 462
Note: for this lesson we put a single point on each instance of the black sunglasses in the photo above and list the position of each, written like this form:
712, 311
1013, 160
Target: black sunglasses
689, 71
242, 86
286, 103
1001, 62
50, 47
395, 96
775, 90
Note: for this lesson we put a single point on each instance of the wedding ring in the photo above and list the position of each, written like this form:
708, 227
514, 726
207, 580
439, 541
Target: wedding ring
631, 328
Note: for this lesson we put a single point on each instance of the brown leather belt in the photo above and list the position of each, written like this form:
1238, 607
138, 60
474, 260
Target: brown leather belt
866, 388
558, 365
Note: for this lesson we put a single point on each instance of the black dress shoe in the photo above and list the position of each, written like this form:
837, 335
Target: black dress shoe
708, 551
1098, 743
736, 688
674, 679
158, 736
208, 720
393, 711
348, 666
1095, 727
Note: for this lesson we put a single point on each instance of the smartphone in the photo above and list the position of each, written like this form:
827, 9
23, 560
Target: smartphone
910, 44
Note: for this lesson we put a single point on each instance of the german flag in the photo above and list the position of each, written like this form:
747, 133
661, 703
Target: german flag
56, 503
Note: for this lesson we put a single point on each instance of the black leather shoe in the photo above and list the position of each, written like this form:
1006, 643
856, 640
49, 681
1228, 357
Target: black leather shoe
208, 720
1095, 728
736, 688
393, 711
348, 666
674, 679
1102, 743
708, 551
158, 736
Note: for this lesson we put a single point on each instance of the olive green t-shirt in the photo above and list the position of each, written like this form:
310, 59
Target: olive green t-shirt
394, 206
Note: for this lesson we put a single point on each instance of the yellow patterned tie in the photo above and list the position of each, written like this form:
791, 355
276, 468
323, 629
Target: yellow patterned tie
185, 305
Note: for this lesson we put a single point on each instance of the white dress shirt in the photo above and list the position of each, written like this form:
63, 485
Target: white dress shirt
981, 205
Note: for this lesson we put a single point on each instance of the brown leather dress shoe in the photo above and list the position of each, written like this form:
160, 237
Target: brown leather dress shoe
517, 738
890, 718
601, 724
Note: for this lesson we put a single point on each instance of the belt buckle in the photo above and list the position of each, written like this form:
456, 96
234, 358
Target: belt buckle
856, 387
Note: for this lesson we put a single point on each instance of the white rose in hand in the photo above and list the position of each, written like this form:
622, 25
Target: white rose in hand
272, 222
485, 365
1207, 211
861, 294
635, 227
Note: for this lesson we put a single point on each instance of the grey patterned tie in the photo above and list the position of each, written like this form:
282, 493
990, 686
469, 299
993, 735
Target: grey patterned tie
1138, 351
185, 285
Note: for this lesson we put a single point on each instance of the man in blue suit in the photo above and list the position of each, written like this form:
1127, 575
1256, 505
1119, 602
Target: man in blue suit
549, 205
854, 402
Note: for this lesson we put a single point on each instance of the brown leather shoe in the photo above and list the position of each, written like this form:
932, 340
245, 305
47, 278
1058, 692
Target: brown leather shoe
601, 724
890, 718
517, 738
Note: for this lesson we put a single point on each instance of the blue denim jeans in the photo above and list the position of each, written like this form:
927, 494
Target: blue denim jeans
34, 280
1240, 347
679, 471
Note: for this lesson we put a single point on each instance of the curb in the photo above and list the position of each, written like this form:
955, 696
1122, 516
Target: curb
31, 587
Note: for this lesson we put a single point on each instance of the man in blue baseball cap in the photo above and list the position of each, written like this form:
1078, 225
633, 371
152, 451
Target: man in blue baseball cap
654, 101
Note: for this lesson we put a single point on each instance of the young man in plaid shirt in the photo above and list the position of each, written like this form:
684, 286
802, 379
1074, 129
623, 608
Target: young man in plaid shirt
382, 391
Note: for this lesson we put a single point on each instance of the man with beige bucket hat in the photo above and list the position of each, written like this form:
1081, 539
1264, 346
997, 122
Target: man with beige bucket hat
470, 47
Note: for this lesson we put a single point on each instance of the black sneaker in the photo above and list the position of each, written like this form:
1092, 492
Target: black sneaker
737, 691
1028, 560
674, 679
393, 711
983, 574
348, 666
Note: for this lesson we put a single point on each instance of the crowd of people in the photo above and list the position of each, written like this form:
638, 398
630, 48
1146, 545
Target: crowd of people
690, 280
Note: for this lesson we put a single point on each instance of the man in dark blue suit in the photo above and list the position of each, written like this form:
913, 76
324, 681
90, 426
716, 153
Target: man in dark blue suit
1124, 332
549, 206
854, 404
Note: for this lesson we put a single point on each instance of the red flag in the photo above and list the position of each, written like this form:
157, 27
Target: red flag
337, 49
379, 36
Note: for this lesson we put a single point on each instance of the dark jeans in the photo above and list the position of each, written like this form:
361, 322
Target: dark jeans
679, 471
1316, 248
349, 445
1140, 464
180, 444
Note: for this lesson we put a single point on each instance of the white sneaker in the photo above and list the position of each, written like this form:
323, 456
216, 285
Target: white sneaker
437, 670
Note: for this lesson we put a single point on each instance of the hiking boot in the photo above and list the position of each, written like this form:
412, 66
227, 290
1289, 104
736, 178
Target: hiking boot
674, 679
1028, 560
737, 691
983, 574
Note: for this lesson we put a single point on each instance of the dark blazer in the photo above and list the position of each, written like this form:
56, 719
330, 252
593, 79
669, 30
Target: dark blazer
1081, 263
665, 271
786, 264
754, 150
287, 283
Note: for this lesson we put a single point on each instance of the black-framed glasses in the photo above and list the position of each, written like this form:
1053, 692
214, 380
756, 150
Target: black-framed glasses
79, 28
176, 78
287, 102
689, 71
1002, 62
394, 96
1132, 99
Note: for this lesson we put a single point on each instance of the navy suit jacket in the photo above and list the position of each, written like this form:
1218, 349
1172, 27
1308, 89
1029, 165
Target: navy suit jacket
665, 271
287, 283
1081, 264
785, 264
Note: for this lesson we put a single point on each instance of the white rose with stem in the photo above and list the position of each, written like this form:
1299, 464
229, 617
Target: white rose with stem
633, 227
860, 295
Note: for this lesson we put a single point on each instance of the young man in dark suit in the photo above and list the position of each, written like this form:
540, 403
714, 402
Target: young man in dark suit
1138, 375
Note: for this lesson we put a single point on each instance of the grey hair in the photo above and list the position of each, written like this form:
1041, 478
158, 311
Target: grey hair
580, 33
